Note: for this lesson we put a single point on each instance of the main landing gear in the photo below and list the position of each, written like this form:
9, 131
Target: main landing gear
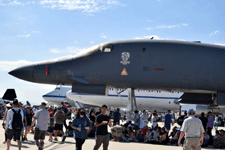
131, 106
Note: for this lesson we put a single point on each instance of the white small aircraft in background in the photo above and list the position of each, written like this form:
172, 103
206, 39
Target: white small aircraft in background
58, 95
117, 98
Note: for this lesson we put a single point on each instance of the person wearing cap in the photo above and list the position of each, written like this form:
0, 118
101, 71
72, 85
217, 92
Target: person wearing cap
41, 118
193, 130
168, 119
9, 127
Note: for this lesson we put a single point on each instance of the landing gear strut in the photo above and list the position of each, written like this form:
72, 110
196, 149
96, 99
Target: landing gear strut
214, 98
131, 106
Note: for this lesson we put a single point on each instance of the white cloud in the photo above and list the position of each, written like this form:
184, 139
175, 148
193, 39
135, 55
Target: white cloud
25, 35
92, 42
215, 33
103, 36
15, 3
70, 50
149, 37
35, 32
220, 44
10, 65
89, 6
168, 27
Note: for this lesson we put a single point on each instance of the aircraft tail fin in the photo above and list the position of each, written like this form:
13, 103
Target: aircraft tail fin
10, 95
28, 104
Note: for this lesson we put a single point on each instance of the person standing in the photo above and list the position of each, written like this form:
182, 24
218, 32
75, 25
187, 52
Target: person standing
136, 120
204, 120
168, 120
102, 135
14, 124
4, 119
24, 121
154, 120
41, 118
210, 126
59, 118
116, 117
144, 117
29, 116
80, 124
193, 130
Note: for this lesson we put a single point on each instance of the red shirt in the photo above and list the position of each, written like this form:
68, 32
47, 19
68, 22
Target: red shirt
51, 110
144, 130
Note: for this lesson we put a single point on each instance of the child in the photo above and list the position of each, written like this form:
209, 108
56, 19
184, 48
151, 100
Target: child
51, 126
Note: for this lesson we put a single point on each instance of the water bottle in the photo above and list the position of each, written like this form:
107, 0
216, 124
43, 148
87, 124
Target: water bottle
80, 126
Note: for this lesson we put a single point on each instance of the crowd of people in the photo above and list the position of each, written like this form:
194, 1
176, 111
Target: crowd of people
143, 127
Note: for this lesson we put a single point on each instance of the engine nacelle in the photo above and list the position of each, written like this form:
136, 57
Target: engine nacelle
90, 89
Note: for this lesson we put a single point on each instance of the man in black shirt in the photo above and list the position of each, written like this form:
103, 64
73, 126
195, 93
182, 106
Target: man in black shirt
102, 135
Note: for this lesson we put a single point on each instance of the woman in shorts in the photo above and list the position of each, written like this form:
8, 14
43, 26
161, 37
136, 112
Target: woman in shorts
29, 115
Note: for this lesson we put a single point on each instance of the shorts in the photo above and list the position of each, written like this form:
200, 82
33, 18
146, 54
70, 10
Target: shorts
29, 123
58, 127
22, 130
50, 129
39, 134
167, 126
15, 133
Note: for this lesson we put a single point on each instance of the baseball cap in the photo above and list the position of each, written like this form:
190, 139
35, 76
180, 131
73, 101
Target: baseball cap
190, 111
168, 110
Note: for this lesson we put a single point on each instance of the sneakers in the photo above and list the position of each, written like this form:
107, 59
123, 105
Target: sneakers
50, 140
23, 139
4, 142
63, 138
55, 139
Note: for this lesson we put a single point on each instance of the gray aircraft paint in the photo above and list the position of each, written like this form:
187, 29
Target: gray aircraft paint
153, 64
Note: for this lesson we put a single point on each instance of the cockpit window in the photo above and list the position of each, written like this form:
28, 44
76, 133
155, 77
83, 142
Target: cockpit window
106, 48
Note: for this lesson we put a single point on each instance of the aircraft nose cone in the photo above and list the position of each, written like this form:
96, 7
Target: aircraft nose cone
24, 73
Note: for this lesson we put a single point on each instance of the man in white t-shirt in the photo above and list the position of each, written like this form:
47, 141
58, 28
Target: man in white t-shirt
154, 119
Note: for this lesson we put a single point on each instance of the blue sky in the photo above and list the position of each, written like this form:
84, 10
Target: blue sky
40, 30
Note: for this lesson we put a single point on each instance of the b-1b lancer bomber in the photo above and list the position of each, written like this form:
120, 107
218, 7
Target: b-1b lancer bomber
195, 68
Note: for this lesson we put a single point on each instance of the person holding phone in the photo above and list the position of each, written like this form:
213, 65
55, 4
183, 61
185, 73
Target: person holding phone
80, 124
102, 135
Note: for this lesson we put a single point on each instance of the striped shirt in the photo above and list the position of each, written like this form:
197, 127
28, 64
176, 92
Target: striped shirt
192, 127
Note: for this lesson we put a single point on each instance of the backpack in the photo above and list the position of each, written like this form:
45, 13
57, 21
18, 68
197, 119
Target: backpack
17, 123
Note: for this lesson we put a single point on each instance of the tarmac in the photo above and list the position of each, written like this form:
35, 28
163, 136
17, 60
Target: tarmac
88, 145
